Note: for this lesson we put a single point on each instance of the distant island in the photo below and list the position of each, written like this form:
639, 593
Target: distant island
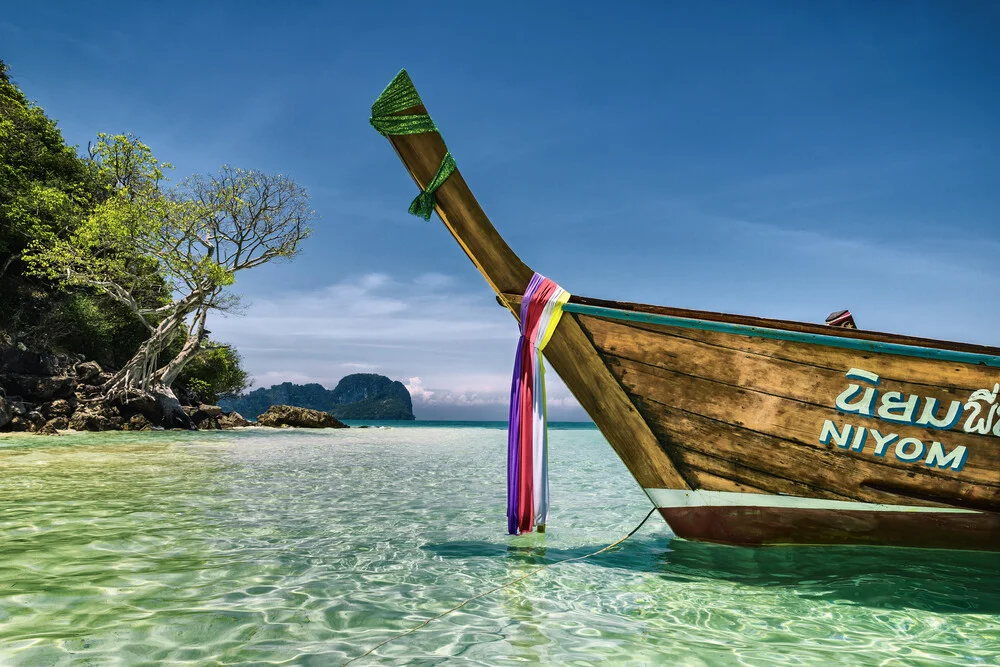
358, 396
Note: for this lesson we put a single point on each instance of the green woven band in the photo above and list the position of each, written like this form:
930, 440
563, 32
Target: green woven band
400, 95
424, 204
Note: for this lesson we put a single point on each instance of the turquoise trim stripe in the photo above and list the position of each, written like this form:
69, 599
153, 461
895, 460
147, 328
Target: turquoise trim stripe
782, 334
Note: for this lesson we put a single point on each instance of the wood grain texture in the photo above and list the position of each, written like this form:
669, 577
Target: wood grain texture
788, 325
913, 370
817, 380
797, 422
777, 465
927, 373
755, 419
572, 356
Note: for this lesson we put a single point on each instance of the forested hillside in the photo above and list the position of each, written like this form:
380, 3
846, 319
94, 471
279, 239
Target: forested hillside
104, 259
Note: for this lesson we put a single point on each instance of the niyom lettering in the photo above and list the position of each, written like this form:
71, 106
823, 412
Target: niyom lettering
909, 450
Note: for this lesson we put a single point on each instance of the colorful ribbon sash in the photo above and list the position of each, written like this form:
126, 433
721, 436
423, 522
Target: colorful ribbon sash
527, 436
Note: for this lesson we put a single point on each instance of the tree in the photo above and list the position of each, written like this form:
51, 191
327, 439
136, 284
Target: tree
216, 372
169, 253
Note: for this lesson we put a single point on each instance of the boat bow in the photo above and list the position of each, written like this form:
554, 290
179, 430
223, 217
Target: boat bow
739, 428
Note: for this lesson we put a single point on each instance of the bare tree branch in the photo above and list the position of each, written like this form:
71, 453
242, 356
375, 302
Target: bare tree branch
190, 240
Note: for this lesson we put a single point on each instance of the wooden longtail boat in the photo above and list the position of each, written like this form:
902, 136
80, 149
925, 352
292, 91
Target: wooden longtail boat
753, 431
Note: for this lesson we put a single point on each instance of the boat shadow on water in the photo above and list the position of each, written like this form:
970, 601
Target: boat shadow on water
939, 581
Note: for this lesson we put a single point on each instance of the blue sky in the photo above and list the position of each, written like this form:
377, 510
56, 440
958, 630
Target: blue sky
778, 159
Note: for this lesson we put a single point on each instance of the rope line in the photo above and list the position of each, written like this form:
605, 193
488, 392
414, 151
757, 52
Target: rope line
500, 587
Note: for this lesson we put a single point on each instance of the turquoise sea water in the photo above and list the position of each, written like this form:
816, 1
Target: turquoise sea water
309, 547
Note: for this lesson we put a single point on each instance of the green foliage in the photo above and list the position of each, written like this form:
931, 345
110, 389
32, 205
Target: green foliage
105, 257
46, 191
92, 325
381, 408
45, 187
115, 247
202, 389
216, 371
195, 236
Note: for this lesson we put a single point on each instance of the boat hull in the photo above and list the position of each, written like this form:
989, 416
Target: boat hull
764, 520
905, 431
757, 415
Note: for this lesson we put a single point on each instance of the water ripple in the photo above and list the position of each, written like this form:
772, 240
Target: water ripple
308, 547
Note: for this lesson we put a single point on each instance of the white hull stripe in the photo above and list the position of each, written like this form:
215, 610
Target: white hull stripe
672, 498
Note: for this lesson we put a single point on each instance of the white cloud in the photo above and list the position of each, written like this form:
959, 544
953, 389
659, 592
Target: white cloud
449, 343
417, 391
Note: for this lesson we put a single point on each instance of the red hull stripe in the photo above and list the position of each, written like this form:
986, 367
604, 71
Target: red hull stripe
755, 519
758, 526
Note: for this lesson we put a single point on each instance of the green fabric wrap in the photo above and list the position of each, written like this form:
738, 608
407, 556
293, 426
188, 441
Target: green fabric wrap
400, 95
424, 204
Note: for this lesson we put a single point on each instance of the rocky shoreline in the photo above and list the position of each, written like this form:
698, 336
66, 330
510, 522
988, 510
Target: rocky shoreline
47, 393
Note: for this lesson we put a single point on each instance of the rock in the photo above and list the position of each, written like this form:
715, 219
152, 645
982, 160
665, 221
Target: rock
186, 396
60, 423
139, 402
371, 396
18, 406
171, 413
80, 420
89, 421
39, 387
53, 426
137, 423
204, 416
210, 410
88, 372
160, 407
37, 376
112, 416
6, 412
286, 415
357, 396
232, 420
22, 361
34, 420
57, 408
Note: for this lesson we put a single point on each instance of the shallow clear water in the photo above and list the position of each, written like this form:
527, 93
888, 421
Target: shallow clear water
309, 547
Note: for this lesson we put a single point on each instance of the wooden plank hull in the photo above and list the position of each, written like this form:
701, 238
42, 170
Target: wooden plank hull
782, 450
768, 431
766, 416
